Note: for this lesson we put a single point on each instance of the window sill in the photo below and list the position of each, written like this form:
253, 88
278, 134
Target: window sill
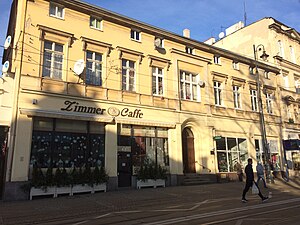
138, 41
98, 29
57, 17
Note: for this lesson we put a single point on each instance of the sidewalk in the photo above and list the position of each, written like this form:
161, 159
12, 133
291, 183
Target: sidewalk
22, 212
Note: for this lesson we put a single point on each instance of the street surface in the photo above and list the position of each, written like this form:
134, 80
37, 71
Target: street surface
204, 204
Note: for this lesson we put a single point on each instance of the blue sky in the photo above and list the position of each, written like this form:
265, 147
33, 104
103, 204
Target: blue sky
205, 18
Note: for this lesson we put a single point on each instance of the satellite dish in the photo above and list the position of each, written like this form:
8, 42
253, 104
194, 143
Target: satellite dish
157, 42
7, 42
221, 35
78, 67
5, 67
201, 83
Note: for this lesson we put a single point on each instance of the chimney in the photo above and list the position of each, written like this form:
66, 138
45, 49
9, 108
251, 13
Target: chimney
186, 33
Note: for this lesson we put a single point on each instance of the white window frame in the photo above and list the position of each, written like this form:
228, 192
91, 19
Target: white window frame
157, 86
135, 35
269, 103
95, 74
53, 55
254, 100
235, 65
237, 96
292, 52
56, 8
218, 93
267, 74
96, 21
126, 73
251, 70
217, 60
280, 48
189, 50
187, 85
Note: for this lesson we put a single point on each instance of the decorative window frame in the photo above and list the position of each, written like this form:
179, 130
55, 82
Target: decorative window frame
98, 47
57, 36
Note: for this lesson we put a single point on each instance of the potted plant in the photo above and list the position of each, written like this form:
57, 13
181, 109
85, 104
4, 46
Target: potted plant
40, 184
100, 178
151, 175
62, 182
81, 181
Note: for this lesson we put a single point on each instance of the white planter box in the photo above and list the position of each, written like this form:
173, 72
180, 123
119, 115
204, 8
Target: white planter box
63, 190
99, 187
151, 183
81, 189
39, 192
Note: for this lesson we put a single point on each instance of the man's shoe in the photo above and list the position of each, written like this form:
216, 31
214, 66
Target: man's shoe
244, 200
264, 199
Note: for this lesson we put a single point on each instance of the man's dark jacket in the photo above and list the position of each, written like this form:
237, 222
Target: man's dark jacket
249, 173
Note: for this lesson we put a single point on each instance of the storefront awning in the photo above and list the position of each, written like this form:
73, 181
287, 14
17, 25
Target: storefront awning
66, 115
152, 123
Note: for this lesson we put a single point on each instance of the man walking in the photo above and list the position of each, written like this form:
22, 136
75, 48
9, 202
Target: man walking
249, 182
260, 174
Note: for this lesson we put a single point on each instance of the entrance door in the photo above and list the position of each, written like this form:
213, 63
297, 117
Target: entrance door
124, 169
188, 151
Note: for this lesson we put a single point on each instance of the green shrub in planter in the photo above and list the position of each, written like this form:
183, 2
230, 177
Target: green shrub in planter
38, 178
49, 179
61, 178
150, 171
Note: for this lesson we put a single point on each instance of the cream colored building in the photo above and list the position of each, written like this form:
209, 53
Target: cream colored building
282, 43
86, 85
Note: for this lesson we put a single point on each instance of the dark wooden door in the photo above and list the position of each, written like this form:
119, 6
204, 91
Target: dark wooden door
188, 151
124, 169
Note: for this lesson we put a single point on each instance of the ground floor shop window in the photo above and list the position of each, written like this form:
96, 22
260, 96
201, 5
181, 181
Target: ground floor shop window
296, 160
143, 143
67, 143
231, 151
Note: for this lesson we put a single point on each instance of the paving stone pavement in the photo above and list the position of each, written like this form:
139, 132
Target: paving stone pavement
21, 212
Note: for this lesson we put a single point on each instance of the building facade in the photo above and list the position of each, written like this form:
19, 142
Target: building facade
282, 43
89, 86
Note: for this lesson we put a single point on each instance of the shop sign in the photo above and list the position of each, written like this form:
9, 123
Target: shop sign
126, 112
73, 106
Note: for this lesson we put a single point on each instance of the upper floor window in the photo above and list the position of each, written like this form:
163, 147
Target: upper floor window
236, 97
189, 50
266, 75
135, 35
254, 102
217, 60
235, 65
218, 93
269, 99
297, 85
157, 81
93, 68
251, 70
128, 75
96, 23
53, 60
189, 86
280, 49
56, 10
292, 52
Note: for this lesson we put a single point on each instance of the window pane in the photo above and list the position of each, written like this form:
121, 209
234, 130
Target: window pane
222, 161
220, 144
